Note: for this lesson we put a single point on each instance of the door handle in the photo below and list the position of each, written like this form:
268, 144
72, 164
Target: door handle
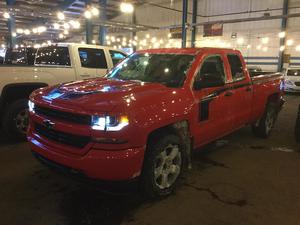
228, 93
84, 75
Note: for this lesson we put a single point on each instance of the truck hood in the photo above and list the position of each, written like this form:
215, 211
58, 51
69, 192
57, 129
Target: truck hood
102, 95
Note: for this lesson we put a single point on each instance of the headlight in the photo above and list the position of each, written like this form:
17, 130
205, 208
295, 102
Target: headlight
30, 106
109, 123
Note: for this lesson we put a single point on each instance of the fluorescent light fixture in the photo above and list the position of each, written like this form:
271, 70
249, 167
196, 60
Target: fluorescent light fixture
126, 7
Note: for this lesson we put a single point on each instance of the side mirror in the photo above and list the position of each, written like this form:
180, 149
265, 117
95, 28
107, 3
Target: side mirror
208, 80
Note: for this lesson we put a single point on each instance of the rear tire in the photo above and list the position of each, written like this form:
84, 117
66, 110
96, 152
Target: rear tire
163, 165
15, 120
297, 128
265, 125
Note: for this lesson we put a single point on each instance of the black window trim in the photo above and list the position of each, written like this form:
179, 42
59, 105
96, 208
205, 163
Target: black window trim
241, 79
51, 66
203, 60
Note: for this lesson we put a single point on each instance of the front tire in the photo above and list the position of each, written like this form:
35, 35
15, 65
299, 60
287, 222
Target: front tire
163, 166
15, 120
265, 125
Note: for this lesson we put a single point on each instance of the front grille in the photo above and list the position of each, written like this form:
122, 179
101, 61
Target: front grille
56, 114
297, 83
62, 137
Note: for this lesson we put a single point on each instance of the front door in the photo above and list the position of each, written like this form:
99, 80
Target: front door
212, 99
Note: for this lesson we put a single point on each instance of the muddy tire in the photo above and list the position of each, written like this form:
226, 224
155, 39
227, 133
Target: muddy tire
264, 126
297, 127
163, 166
15, 120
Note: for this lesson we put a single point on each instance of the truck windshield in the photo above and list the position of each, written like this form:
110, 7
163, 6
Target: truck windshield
167, 69
293, 72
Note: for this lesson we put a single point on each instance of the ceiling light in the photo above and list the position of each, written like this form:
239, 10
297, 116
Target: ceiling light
49, 42
282, 48
298, 48
82, 42
61, 36
126, 7
289, 42
95, 11
41, 29
20, 31
6, 15
56, 26
265, 49
26, 32
281, 34
34, 30
147, 35
88, 14
66, 32
265, 40
14, 34
93, 41
60, 16
248, 46
76, 24
258, 47
66, 26
3, 46
240, 41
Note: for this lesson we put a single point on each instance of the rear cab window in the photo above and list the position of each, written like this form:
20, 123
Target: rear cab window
92, 58
236, 67
53, 56
116, 56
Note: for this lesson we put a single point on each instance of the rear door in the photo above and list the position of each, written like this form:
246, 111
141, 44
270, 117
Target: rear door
213, 105
241, 92
92, 62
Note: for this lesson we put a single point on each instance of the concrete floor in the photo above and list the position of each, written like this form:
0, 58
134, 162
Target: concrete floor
240, 180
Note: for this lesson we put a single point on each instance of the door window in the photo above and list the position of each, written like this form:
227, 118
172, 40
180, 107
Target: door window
92, 58
116, 56
236, 67
212, 68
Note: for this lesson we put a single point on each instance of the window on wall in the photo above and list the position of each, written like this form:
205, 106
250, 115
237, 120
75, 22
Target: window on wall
212, 67
116, 56
236, 67
92, 58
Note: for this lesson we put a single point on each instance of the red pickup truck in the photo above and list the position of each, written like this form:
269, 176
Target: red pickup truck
143, 119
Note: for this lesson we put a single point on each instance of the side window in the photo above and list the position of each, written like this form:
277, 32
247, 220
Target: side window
212, 69
54, 56
236, 67
116, 56
92, 58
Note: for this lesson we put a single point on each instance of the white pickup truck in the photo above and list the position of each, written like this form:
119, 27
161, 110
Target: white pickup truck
53, 64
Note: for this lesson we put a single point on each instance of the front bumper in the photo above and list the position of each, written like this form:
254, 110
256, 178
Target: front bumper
114, 165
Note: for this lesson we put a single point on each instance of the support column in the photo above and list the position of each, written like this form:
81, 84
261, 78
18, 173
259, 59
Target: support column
184, 21
103, 18
133, 33
88, 27
283, 29
11, 26
194, 20
11, 29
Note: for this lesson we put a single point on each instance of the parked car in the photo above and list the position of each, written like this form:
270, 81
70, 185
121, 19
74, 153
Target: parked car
292, 80
143, 119
297, 127
52, 65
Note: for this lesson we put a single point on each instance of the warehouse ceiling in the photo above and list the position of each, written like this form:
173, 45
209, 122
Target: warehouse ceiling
29, 14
